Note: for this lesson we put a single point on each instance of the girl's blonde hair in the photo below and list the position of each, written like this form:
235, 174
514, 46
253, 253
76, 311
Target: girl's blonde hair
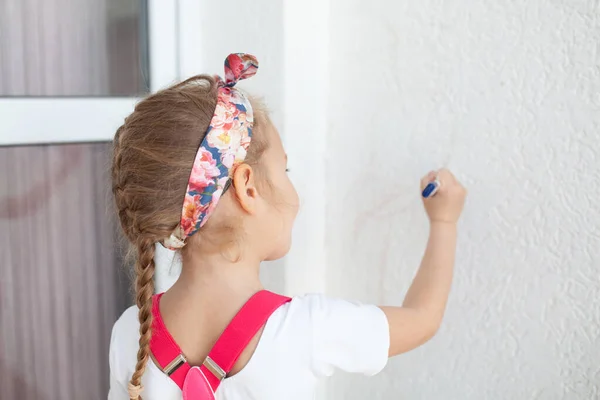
152, 159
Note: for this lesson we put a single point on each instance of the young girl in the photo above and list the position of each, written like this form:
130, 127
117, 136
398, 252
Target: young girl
200, 168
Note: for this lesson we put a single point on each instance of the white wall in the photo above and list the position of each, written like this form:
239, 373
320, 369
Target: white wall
505, 94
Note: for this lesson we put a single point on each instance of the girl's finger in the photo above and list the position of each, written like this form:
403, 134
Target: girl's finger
430, 177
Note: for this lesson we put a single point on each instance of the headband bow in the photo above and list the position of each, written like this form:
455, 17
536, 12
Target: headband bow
222, 149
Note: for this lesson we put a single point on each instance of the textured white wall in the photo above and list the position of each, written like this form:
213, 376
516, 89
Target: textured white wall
507, 95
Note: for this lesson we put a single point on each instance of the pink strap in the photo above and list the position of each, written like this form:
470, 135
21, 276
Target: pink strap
234, 339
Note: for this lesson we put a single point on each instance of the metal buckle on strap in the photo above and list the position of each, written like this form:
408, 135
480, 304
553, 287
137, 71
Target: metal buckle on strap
213, 367
174, 365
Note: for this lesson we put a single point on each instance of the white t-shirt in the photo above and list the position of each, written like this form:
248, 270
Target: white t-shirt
304, 340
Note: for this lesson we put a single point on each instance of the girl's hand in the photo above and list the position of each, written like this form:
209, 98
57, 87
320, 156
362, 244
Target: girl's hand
447, 203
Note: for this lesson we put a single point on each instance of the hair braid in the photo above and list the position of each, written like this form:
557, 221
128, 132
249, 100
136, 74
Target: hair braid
144, 288
118, 185
144, 266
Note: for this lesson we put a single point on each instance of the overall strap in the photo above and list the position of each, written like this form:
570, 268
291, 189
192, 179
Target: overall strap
224, 354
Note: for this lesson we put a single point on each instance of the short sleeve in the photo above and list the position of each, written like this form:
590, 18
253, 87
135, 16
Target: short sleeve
349, 336
123, 353
117, 390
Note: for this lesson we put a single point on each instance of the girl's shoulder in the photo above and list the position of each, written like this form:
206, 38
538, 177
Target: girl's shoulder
331, 333
315, 331
314, 315
125, 333
301, 310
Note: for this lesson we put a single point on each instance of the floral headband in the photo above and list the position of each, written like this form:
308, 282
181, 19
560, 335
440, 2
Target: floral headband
224, 147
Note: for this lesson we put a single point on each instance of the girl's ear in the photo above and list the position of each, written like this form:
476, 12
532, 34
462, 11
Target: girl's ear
244, 186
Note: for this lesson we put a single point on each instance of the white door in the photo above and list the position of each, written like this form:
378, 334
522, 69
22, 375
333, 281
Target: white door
70, 71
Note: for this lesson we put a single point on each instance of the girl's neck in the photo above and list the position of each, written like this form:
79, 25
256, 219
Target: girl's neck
203, 301
208, 279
